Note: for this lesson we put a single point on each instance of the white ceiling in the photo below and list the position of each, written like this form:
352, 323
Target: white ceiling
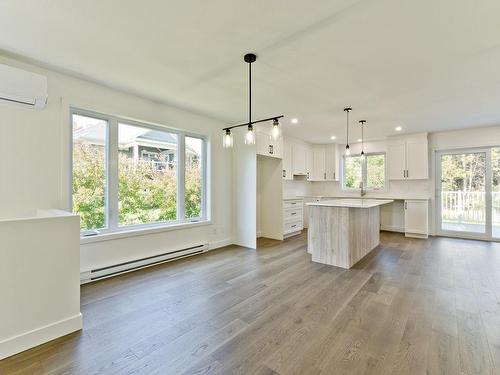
426, 65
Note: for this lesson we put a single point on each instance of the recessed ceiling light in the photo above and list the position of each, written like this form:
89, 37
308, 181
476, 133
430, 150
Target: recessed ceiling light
333, 137
359, 139
398, 128
295, 120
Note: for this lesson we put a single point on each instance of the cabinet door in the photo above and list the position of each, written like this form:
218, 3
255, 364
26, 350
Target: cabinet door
287, 161
299, 159
277, 148
331, 163
417, 159
262, 141
309, 163
416, 217
319, 164
396, 159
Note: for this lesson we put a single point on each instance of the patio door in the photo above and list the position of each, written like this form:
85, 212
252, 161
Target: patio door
464, 193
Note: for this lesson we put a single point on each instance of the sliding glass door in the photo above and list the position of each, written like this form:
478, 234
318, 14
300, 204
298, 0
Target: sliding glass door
467, 200
495, 192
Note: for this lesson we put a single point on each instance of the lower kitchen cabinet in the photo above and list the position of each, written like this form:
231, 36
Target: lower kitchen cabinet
416, 218
293, 217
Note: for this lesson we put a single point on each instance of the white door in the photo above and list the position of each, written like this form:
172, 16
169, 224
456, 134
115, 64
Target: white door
299, 159
277, 148
309, 163
331, 162
287, 161
319, 164
262, 143
396, 160
464, 192
416, 217
416, 159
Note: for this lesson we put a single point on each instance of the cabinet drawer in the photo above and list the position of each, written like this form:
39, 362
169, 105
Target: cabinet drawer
292, 226
294, 214
292, 203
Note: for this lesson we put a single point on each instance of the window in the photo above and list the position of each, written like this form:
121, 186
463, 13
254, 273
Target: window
90, 141
370, 171
128, 174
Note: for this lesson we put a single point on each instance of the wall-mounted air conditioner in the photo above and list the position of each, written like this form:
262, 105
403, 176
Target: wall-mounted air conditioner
21, 86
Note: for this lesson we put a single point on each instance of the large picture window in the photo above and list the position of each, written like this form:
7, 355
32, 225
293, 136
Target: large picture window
128, 174
370, 170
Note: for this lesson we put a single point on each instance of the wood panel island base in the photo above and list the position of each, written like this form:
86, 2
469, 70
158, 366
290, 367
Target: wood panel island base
342, 231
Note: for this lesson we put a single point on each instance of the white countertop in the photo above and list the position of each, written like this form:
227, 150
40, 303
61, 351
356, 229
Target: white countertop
352, 203
394, 198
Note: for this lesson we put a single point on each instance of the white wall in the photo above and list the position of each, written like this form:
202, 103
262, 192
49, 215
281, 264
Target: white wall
35, 162
244, 185
39, 280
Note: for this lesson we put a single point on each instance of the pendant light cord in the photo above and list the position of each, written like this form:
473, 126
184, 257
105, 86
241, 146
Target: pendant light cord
347, 125
250, 94
362, 123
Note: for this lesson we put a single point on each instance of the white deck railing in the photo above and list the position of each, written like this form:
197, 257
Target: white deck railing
468, 207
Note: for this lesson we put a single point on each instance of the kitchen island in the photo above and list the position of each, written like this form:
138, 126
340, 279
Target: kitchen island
342, 231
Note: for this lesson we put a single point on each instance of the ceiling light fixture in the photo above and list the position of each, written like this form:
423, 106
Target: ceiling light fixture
250, 135
295, 121
362, 123
347, 151
398, 128
333, 137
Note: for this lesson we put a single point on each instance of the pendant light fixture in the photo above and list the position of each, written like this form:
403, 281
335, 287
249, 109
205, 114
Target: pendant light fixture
362, 123
227, 140
347, 150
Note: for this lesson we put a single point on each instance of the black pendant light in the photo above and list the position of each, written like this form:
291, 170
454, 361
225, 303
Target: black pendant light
362, 123
227, 140
347, 150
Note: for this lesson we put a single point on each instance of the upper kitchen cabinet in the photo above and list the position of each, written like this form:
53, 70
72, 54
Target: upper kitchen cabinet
267, 146
325, 161
287, 160
408, 157
299, 159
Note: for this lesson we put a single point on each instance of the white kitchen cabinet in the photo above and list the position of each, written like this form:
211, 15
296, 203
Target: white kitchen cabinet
408, 157
319, 164
299, 159
325, 163
309, 162
287, 160
293, 218
416, 218
267, 146
332, 162
417, 159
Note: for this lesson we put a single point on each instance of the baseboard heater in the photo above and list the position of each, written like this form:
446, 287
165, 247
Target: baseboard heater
117, 269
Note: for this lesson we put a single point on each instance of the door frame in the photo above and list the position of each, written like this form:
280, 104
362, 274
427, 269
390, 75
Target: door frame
487, 235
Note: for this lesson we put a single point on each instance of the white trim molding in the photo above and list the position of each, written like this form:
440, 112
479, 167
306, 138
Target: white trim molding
35, 337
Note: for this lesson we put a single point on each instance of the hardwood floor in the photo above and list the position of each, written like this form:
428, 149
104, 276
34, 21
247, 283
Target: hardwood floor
411, 307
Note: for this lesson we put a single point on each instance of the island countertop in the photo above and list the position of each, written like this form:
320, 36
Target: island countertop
351, 203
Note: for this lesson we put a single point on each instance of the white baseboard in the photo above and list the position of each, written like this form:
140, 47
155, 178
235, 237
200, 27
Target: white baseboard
221, 243
30, 339
392, 228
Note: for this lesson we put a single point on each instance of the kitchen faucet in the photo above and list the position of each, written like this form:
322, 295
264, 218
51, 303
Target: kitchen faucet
363, 191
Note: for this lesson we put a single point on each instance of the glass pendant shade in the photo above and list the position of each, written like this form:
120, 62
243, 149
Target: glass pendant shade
250, 136
276, 131
362, 155
347, 150
227, 139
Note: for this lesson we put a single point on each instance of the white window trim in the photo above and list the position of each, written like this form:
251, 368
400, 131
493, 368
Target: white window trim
364, 174
113, 230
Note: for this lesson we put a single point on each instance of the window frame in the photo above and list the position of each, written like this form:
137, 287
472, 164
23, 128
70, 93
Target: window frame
364, 174
112, 175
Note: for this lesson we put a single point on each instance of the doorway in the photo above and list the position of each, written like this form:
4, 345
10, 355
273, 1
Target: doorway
468, 193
